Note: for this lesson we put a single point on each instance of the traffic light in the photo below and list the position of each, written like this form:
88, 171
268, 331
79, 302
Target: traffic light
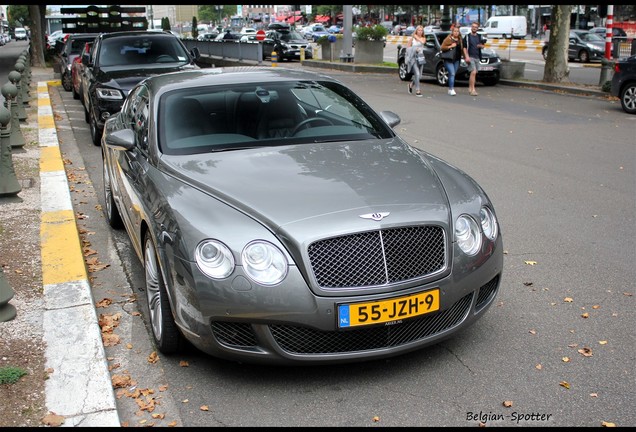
602, 11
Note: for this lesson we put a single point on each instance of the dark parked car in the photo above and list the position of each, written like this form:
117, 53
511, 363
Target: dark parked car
488, 74
77, 71
280, 219
71, 50
118, 61
624, 83
287, 43
584, 46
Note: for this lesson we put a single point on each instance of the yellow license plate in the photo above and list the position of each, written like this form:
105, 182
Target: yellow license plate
383, 311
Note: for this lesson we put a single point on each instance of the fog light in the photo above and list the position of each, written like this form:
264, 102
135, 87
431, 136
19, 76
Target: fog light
105, 115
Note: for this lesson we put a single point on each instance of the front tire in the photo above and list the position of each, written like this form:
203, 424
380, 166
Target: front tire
442, 75
165, 332
96, 132
403, 73
584, 56
112, 213
628, 98
67, 82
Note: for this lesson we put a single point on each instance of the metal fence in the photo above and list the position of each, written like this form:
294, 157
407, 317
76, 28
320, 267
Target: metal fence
228, 49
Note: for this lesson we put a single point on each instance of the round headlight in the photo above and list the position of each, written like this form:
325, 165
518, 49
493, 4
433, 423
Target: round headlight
488, 223
467, 234
214, 259
264, 263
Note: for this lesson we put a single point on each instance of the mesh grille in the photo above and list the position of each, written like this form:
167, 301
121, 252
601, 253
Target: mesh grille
378, 257
238, 335
486, 293
301, 340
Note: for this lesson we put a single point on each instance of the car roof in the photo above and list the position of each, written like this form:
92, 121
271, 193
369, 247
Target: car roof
230, 75
153, 33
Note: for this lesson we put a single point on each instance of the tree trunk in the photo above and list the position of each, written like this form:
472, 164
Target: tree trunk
556, 65
37, 37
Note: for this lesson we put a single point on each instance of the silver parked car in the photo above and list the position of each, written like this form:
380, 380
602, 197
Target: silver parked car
280, 219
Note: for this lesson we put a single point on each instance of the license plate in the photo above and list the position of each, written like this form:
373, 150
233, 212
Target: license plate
486, 68
399, 308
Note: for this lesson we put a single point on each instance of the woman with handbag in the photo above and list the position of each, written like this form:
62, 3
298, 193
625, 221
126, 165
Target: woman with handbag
414, 58
452, 52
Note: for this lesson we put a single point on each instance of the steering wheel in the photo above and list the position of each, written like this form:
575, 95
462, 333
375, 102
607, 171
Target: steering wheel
164, 58
306, 122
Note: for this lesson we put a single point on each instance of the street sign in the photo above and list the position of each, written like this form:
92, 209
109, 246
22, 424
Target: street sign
260, 35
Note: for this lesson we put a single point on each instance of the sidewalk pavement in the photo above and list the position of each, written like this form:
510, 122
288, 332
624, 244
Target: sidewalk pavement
80, 387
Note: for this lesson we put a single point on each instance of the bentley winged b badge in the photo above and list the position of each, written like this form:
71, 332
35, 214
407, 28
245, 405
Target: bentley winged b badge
375, 216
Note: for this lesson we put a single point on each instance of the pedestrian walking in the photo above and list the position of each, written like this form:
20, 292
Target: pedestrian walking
473, 43
414, 58
452, 52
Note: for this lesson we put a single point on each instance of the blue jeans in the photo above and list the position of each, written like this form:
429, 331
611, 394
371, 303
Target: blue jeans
451, 67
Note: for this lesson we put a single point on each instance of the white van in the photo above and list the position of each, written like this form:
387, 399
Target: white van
20, 34
513, 27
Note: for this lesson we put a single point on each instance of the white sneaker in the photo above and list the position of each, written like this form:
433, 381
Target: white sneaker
452, 92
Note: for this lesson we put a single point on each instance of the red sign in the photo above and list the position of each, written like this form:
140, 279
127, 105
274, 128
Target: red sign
260, 35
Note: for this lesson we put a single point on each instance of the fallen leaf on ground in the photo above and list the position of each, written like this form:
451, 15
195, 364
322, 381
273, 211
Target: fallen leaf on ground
153, 357
507, 404
585, 351
585, 315
184, 363
204, 408
603, 342
608, 424
376, 419
52, 419
565, 384
568, 300
530, 262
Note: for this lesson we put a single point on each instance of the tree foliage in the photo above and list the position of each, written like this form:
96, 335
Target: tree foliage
556, 65
19, 16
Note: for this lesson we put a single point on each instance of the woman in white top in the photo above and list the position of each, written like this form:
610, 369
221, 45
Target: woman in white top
413, 51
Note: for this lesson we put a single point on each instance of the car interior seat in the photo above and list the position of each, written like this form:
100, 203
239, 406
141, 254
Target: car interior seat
186, 118
279, 119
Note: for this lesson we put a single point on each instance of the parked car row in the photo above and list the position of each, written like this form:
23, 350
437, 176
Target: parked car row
100, 69
259, 245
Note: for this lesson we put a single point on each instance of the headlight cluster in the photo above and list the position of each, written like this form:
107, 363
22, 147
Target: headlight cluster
263, 262
468, 232
110, 94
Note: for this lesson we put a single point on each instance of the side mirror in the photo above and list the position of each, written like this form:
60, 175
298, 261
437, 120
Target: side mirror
123, 139
196, 53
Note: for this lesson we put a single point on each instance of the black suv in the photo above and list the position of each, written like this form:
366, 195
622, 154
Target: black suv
118, 61
287, 44
488, 73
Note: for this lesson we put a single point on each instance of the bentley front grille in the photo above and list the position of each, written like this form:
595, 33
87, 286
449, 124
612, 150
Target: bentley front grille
378, 257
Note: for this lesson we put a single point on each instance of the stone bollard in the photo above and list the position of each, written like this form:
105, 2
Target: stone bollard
24, 83
15, 77
26, 76
9, 91
7, 311
9, 184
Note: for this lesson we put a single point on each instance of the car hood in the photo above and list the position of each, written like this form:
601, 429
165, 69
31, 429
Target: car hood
126, 78
303, 185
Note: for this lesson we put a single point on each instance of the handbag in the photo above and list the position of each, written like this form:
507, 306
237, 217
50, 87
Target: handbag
448, 55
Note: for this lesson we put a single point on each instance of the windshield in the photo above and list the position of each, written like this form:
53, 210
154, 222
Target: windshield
141, 50
592, 37
215, 118
291, 35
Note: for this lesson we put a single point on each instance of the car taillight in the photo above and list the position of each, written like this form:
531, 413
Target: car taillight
617, 68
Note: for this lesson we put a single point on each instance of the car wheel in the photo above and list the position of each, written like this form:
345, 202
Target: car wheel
584, 56
76, 95
442, 75
403, 73
87, 116
112, 213
96, 132
544, 52
164, 330
628, 98
67, 82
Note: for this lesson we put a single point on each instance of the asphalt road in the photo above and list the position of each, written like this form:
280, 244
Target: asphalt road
560, 171
557, 348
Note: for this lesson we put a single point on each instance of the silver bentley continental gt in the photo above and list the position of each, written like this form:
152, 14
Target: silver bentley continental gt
281, 220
